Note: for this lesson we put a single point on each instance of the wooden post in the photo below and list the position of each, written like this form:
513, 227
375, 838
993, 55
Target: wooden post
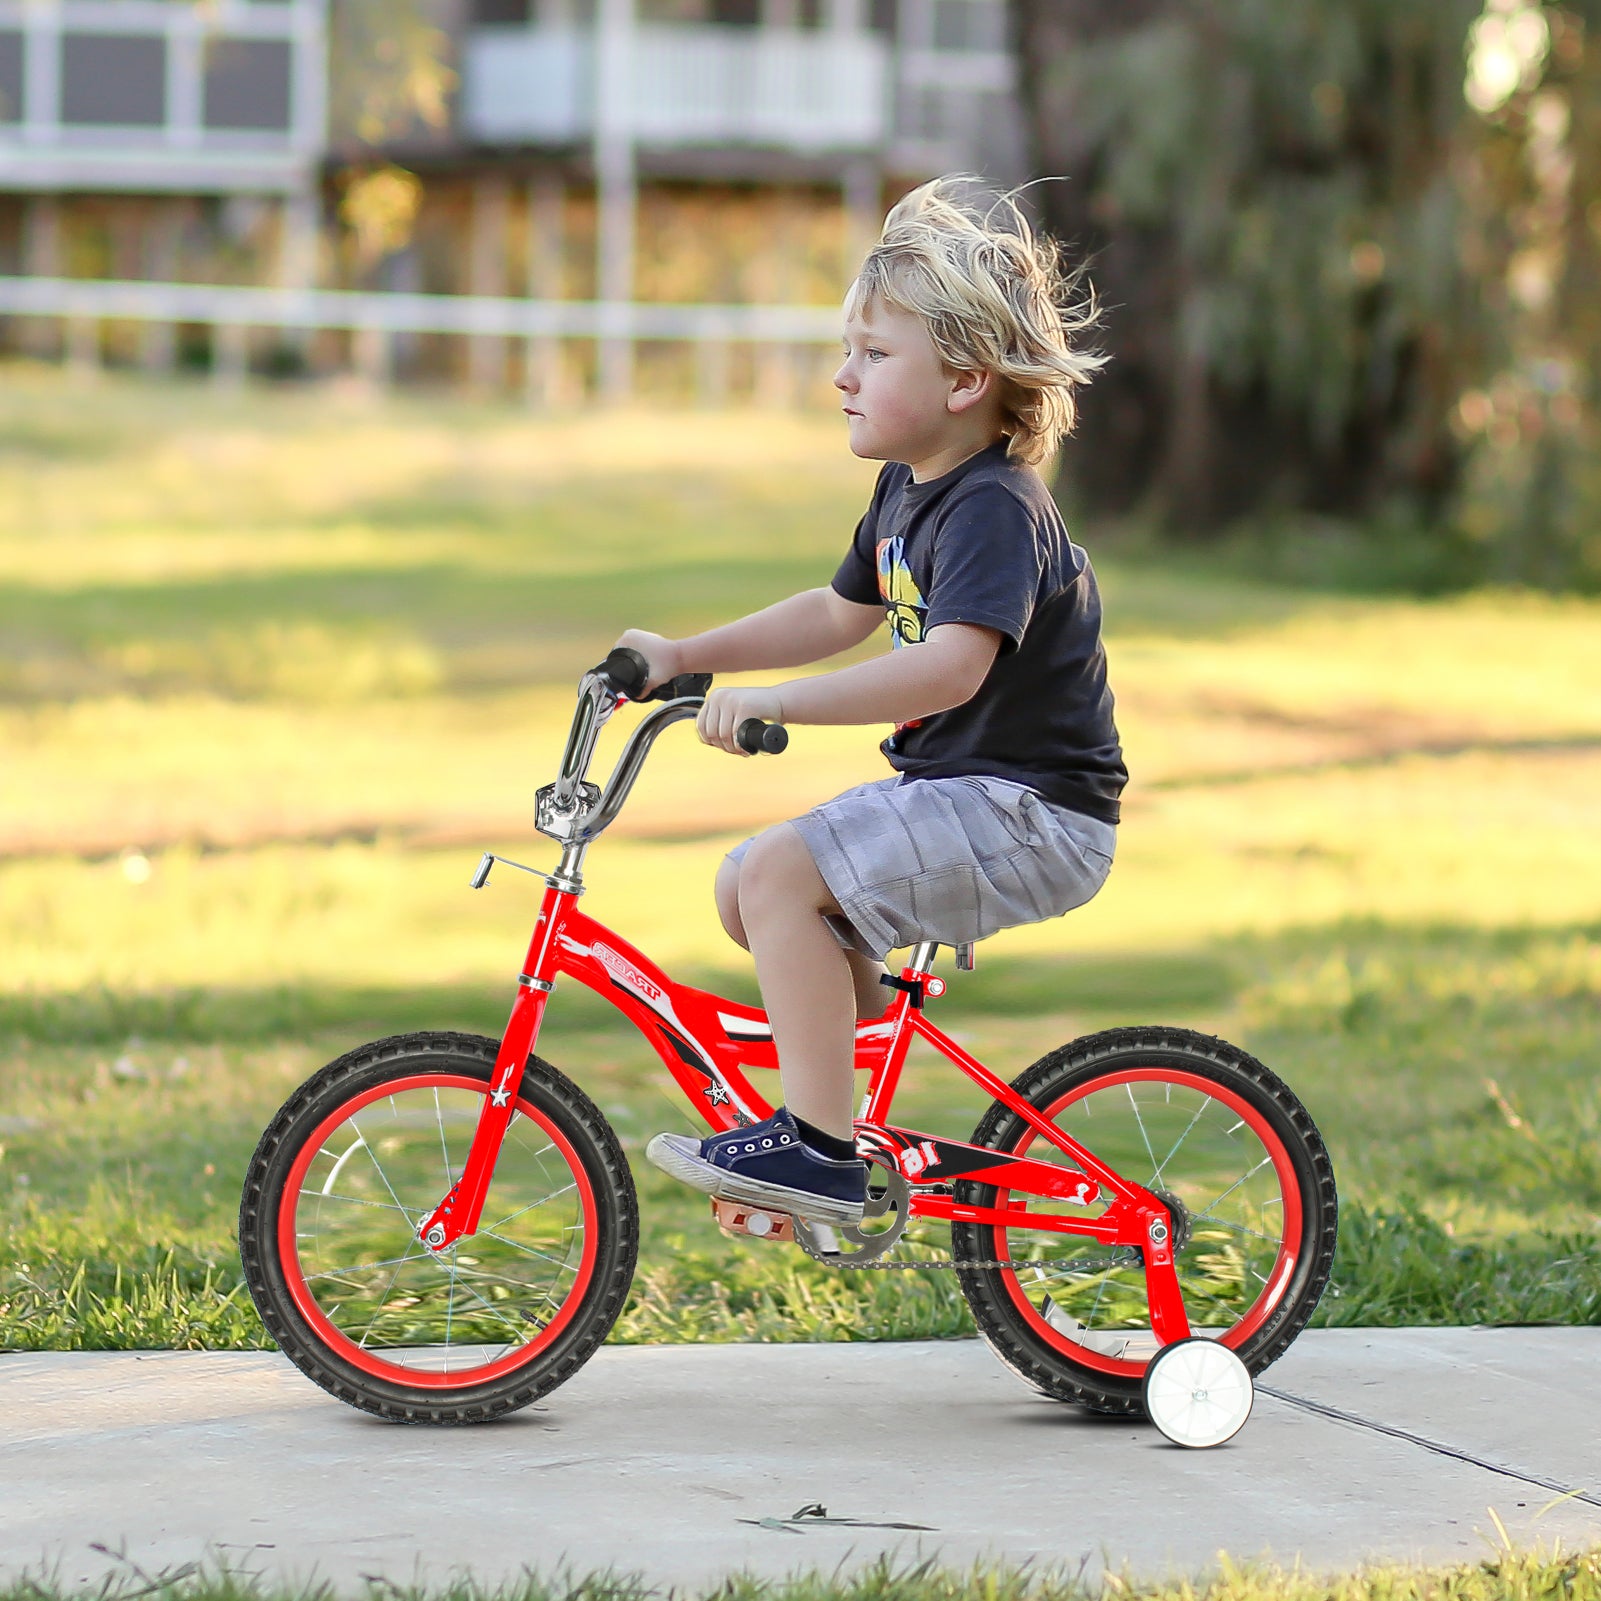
41, 258
616, 188
491, 196
299, 250
83, 347
775, 361
711, 371
863, 194
230, 355
546, 223
158, 341
372, 350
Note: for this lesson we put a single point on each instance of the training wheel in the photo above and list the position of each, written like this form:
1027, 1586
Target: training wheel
1197, 1392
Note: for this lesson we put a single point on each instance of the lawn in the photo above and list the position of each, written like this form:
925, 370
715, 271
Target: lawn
274, 667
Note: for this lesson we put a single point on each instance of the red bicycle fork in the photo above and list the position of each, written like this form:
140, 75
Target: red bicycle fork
458, 1214
1134, 1218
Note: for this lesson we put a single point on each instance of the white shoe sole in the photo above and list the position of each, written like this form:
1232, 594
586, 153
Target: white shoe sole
678, 1155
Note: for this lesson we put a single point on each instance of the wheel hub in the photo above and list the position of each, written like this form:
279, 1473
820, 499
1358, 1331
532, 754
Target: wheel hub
1179, 1218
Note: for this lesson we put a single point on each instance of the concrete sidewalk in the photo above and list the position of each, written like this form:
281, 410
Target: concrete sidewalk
664, 1460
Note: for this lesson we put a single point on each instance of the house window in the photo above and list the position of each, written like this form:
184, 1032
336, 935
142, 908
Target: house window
247, 84
969, 25
10, 76
739, 13
113, 80
881, 16
493, 12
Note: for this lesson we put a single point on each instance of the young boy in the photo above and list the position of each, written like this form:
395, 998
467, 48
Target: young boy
959, 375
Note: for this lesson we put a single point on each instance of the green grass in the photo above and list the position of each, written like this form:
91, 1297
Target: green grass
1504, 1576
273, 668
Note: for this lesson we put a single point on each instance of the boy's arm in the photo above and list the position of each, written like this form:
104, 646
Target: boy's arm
804, 628
915, 681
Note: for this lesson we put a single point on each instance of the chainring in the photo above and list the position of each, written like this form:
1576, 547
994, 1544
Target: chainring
821, 1240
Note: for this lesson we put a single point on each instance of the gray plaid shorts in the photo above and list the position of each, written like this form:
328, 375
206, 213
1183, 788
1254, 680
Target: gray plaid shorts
950, 859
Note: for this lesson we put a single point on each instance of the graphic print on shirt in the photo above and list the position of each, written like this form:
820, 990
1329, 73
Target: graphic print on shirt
903, 604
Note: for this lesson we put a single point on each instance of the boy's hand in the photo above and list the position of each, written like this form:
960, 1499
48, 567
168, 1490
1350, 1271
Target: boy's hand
661, 655
726, 709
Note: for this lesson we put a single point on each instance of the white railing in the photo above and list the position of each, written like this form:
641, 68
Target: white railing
689, 85
240, 306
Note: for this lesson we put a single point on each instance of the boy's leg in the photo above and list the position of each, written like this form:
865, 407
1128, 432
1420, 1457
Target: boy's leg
809, 984
865, 972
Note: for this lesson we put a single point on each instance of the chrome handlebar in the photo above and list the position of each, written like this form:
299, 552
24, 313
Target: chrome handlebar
574, 811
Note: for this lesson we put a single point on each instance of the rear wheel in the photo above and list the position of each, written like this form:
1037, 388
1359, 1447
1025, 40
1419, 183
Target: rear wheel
348, 1169
1231, 1152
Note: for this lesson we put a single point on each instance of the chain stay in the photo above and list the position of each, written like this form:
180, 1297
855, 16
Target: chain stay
1083, 1266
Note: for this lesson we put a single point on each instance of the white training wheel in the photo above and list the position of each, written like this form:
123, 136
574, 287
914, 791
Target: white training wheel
1197, 1392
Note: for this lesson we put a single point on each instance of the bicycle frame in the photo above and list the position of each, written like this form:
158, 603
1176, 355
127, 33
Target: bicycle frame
709, 1043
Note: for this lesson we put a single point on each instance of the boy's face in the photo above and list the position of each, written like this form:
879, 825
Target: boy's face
897, 393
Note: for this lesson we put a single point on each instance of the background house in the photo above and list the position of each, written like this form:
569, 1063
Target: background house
729, 152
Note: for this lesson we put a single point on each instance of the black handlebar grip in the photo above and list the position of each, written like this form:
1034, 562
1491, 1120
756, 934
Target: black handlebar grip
755, 736
627, 671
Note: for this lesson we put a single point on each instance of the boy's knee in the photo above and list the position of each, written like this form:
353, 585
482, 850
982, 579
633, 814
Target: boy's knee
778, 863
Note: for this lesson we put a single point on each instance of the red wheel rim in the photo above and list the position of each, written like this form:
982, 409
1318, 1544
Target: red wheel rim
335, 1339
1289, 1244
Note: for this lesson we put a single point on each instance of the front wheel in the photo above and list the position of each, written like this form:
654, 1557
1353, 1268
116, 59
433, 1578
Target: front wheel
345, 1173
1223, 1144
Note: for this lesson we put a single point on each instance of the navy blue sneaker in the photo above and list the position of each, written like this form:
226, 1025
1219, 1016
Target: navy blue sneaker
767, 1164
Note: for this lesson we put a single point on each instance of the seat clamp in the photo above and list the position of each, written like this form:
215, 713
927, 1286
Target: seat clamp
912, 986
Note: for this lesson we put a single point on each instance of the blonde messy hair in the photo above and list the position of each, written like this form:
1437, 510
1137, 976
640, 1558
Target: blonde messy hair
995, 298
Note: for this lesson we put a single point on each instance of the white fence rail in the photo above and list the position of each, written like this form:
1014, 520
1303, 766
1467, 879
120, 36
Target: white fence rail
786, 338
238, 306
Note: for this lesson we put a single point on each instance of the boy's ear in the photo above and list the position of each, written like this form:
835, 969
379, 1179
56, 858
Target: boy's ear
968, 389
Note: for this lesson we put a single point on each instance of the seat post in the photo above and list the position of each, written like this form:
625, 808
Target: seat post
921, 959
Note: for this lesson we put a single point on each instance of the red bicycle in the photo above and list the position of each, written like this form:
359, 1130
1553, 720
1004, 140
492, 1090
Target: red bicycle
440, 1228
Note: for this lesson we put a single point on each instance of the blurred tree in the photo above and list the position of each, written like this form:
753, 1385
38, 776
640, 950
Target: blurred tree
389, 72
1271, 195
389, 78
1531, 494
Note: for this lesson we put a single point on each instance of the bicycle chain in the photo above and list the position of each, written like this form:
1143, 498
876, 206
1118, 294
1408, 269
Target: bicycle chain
1093, 1265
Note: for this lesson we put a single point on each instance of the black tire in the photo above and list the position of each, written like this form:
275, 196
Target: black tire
494, 1322
1055, 1327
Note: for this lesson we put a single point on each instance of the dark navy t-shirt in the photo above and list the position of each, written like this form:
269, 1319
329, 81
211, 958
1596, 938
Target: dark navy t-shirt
986, 544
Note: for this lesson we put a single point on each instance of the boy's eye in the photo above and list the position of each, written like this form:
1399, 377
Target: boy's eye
874, 355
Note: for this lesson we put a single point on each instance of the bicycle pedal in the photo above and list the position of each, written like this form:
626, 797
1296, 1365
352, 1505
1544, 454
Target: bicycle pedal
759, 1222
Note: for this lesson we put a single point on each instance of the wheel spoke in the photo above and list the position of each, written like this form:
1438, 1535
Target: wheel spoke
1199, 1113
444, 1151
497, 1314
358, 1267
357, 1200
1240, 1228
500, 1223
1141, 1121
378, 1166
528, 1250
1249, 1173
382, 1299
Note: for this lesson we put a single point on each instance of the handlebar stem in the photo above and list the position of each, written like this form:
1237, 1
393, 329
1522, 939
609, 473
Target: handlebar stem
632, 759
593, 693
